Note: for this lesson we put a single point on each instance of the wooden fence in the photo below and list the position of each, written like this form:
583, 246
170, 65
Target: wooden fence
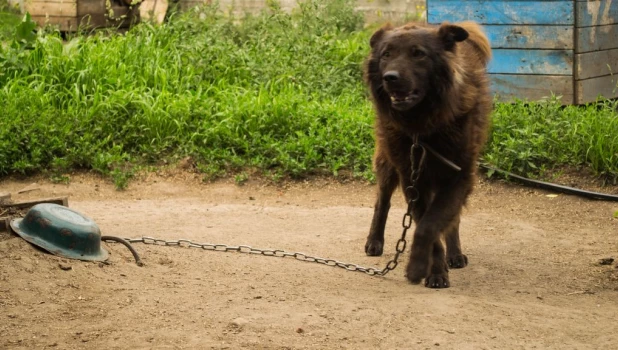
374, 10
565, 47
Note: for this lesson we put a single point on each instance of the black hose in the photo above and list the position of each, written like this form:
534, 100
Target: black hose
138, 261
554, 187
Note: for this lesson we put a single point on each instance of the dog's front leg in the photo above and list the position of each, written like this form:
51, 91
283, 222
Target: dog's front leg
454, 257
387, 182
427, 259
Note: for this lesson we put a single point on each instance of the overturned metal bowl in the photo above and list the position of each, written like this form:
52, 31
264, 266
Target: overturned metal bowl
61, 231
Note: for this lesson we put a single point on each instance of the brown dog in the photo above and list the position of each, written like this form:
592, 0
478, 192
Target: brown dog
429, 83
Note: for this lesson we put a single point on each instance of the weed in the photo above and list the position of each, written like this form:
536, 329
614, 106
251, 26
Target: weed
528, 138
121, 178
60, 179
9, 19
241, 178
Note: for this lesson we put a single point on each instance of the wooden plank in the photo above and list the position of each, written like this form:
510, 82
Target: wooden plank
91, 7
53, 9
64, 201
96, 7
589, 90
100, 20
597, 38
594, 13
122, 17
516, 61
531, 87
501, 12
5, 223
5, 197
63, 23
529, 36
30, 2
32, 187
10, 208
596, 64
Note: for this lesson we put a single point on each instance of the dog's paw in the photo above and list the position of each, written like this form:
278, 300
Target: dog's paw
437, 280
417, 270
373, 247
457, 261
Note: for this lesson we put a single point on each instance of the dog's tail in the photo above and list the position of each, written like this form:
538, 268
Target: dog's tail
477, 37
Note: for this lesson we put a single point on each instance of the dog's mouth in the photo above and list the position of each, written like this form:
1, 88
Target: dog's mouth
404, 100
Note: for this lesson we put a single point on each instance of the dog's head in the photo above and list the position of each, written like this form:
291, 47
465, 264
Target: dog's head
408, 63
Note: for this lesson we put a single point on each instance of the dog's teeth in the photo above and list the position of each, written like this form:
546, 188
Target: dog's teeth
392, 98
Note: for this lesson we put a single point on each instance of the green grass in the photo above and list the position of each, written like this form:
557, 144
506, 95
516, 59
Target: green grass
278, 93
9, 19
531, 138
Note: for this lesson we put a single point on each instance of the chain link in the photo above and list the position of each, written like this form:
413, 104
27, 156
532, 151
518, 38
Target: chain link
412, 196
372, 271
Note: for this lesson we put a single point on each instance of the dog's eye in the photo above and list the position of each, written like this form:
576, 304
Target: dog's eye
386, 54
417, 53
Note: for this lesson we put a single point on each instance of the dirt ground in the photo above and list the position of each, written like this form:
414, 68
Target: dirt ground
534, 279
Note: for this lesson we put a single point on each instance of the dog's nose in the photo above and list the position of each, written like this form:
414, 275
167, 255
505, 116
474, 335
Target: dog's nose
390, 76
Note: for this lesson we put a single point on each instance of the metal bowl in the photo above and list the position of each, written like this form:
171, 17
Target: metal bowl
61, 231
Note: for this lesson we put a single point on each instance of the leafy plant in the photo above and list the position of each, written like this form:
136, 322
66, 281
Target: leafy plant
276, 92
24, 31
528, 138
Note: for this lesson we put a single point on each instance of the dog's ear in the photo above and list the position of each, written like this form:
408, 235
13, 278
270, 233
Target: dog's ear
451, 34
379, 34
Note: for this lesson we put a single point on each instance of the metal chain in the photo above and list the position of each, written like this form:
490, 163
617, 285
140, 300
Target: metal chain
250, 250
412, 196
372, 271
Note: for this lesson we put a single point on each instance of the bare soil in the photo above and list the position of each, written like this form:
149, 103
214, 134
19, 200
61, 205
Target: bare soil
534, 279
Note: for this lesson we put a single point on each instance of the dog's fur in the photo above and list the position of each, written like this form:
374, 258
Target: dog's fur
431, 82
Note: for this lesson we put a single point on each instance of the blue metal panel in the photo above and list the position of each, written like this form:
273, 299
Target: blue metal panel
597, 38
559, 12
553, 62
529, 36
531, 87
593, 13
